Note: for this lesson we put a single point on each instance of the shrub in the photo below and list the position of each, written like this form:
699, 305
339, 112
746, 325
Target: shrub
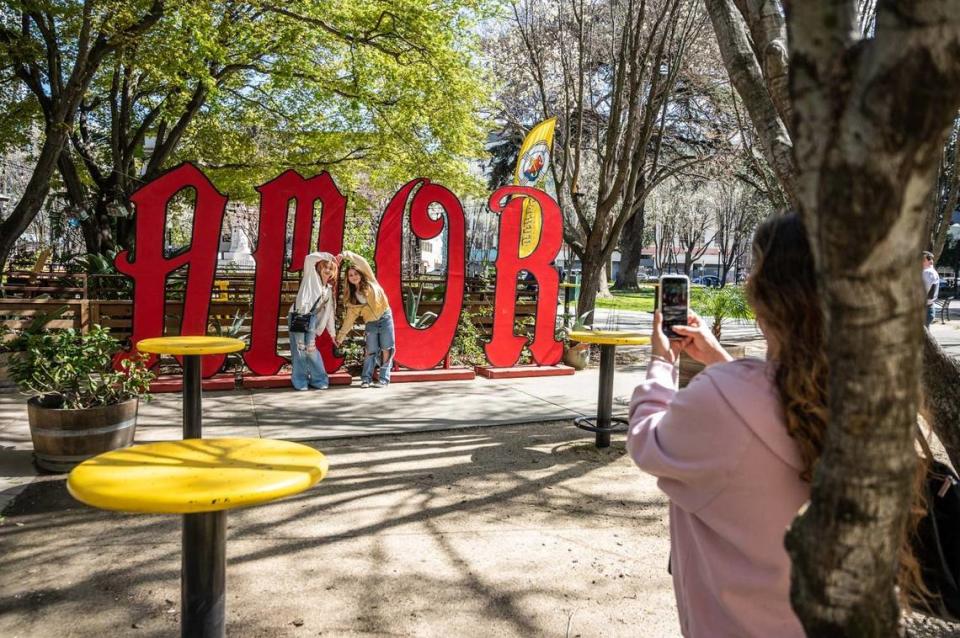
77, 369
467, 348
722, 304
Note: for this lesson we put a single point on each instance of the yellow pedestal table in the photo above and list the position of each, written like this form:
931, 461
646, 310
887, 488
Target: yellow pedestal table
200, 479
608, 340
191, 348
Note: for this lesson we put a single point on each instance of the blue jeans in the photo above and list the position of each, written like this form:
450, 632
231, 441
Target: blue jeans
379, 337
307, 365
930, 314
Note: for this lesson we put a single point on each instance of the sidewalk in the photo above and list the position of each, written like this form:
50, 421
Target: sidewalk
340, 412
519, 530
402, 408
514, 531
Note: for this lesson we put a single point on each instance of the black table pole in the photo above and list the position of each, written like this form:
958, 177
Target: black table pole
192, 424
203, 575
566, 305
605, 395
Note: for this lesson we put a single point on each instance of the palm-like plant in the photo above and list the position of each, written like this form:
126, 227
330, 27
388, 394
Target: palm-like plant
722, 304
411, 302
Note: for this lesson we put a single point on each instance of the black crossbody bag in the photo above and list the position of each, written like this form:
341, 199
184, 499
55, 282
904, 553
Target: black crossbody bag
300, 322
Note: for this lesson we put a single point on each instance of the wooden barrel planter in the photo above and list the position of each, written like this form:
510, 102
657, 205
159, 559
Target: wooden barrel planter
690, 368
64, 438
577, 355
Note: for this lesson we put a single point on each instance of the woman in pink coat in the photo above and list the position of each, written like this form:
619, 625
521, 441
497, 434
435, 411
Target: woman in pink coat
733, 461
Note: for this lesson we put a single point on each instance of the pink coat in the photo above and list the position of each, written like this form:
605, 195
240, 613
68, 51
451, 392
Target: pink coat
721, 452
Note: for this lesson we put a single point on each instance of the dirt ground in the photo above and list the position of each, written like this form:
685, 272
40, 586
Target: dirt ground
497, 531
524, 530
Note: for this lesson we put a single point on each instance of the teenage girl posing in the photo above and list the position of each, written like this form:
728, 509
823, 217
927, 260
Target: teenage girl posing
365, 299
315, 297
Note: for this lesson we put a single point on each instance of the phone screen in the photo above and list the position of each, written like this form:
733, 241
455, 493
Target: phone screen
673, 297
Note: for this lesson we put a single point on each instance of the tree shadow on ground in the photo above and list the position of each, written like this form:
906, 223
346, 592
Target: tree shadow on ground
436, 487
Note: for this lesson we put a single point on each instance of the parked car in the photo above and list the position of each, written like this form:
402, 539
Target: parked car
707, 280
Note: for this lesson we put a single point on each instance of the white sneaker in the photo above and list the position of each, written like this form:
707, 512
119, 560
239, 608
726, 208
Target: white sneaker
365, 384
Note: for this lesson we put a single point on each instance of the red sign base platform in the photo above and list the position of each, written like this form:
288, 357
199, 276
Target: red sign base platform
516, 372
283, 380
174, 383
434, 374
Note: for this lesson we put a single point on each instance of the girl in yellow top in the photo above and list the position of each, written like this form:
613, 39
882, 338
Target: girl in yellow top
365, 299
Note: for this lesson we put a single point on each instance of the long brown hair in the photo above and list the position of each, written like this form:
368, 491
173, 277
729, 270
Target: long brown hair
782, 289
350, 291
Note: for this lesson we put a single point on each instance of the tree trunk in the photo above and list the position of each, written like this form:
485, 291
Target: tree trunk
941, 396
591, 269
631, 252
862, 484
98, 231
864, 195
747, 77
34, 194
603, 280
861, 176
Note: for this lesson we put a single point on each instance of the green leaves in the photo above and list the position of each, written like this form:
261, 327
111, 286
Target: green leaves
378, 92
78, 369
729, 302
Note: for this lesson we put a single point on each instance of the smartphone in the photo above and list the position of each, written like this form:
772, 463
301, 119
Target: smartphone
674, 302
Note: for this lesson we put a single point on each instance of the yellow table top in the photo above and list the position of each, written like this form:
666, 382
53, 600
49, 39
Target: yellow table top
190, 345
567, 285
196, 475
610, 337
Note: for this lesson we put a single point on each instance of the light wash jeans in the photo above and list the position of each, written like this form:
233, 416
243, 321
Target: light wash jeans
307, 365
379, 337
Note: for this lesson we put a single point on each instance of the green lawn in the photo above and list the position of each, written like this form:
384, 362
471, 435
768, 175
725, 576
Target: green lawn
642, 300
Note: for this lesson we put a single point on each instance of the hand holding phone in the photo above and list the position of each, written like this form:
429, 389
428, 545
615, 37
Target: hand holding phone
674, 303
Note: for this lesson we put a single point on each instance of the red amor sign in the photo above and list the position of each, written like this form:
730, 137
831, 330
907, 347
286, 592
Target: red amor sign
417, 348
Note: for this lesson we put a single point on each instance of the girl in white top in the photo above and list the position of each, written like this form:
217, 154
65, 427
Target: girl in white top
315, 297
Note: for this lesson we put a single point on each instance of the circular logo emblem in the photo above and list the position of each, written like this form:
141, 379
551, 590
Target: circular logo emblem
533, 163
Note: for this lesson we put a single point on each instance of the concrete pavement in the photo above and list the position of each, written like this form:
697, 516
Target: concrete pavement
512, 531
413, 407
340, 412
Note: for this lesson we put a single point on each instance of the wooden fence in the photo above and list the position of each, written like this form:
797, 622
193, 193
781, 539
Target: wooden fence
105, 300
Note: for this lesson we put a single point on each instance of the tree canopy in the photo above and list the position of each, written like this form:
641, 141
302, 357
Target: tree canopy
376, 92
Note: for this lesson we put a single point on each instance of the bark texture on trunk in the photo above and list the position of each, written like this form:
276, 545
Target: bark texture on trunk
869, 118
941, 396
590, 272
631, 251
867, 145
34, 194
747, 76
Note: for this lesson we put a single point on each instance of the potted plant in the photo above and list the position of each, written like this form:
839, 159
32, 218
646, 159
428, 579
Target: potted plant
13, 340
79, 405
575, 354
721, 305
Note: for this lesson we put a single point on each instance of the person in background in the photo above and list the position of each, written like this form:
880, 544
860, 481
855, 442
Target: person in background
931, 284
315, 297
560, 271
365, 299
735, 450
